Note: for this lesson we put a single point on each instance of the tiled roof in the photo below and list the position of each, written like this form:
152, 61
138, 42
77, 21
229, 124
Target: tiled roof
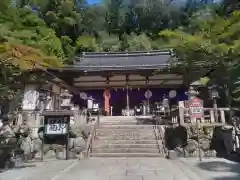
122, 60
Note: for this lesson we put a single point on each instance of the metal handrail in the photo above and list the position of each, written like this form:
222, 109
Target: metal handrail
91, 137
157, 138
161, 137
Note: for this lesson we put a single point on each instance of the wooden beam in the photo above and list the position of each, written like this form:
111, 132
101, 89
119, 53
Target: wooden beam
128, 81
173, 86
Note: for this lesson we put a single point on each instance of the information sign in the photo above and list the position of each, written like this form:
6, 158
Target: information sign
196, 108
56, 125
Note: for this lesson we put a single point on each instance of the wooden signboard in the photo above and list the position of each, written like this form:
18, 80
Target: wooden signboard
56, 124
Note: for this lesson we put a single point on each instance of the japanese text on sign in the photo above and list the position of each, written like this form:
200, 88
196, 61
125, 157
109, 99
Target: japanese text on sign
196, 108
56, 125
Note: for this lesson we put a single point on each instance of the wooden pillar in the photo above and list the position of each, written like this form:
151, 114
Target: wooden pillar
127, 95
107, 100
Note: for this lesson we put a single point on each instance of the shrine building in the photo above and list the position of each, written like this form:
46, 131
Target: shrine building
119, 81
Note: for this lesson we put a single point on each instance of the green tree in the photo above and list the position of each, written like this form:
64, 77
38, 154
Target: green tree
25, 43
24, 26
135, 42
109, 42
228, 6
212, 41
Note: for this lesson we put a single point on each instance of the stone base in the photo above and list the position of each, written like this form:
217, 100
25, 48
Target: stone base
206, 136
172, 155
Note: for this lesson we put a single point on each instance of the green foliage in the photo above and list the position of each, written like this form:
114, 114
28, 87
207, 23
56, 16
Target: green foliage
52, 32
213, 40
138, 42
27, 28
86, 43
25, 43
109, 42
228, 6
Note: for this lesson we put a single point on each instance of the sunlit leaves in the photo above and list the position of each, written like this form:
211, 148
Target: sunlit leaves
214, 40
138, 42
25, 43
87, 43
109, 42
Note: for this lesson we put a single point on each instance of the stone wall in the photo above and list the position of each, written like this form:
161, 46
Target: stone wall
79, 130
213, 140
54, 147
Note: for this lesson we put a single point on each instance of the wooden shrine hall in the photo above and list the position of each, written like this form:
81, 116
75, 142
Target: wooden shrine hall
120, 80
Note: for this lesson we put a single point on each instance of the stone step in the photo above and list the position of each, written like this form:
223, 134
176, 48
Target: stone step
126, 150
126, 126
117, 117
119, 123
119, 137
115, 146
125, 130
127, 155
119, 120
139, 141
124, 133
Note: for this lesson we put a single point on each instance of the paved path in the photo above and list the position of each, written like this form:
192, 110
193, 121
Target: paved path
128, 169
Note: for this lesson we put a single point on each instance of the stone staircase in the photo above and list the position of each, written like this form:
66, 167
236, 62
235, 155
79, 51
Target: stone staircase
123, 137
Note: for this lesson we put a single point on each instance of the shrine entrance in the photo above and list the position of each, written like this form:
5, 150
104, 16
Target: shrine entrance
117, 102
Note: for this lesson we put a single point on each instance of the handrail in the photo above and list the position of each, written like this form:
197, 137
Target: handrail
91, 137
161, 137
158, 137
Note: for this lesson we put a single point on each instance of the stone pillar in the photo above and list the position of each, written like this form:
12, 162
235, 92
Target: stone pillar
107, 100
222, 113
181, 112
212, 119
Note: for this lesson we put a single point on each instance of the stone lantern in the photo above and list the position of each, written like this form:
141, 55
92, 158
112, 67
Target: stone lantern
214, 95
66, 100
213, 92
192, 92
42, 99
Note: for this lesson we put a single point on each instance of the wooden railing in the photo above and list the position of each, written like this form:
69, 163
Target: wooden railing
91, 137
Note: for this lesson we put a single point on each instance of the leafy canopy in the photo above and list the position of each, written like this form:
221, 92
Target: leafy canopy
213, 40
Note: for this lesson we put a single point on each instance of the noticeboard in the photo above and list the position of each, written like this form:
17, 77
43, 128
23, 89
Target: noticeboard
56, 124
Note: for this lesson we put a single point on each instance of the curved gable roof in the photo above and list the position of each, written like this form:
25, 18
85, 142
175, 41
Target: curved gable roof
122, 60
